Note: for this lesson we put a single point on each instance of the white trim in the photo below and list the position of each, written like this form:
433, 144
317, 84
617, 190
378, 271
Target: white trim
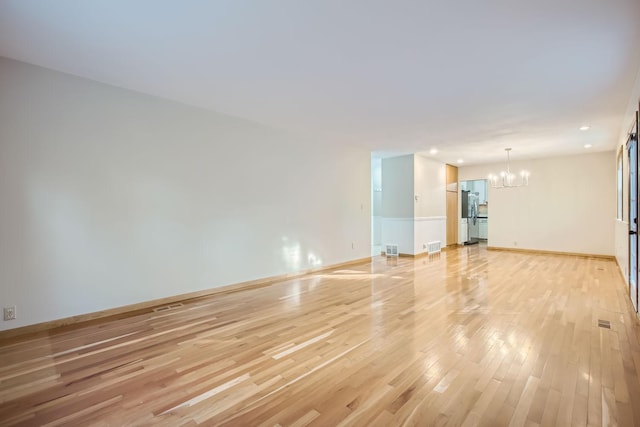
416, 219
430, 218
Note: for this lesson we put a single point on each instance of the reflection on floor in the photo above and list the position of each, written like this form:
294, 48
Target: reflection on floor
465, 337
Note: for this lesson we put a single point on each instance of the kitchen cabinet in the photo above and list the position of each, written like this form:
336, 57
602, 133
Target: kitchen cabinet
463, 230
483, 229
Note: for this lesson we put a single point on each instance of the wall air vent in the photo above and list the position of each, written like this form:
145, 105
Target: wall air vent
392, 249
433, 247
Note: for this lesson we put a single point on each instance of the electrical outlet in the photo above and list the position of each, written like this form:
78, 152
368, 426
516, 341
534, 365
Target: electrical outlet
10, 313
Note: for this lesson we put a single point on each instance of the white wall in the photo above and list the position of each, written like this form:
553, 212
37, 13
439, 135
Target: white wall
413, 202
622, 226
397, 203
376, 205
397, 187
111, 197
398, 231
429, 229
430, 181
569, 205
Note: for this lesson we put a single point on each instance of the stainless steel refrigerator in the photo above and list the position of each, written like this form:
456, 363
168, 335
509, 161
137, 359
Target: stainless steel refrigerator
470, 212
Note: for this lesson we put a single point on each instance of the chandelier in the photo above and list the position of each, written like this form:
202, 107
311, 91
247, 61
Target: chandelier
508, 179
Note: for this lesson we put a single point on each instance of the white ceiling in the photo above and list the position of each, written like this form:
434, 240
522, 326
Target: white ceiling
468, 77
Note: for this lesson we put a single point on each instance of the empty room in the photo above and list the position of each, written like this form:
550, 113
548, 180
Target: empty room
320, 213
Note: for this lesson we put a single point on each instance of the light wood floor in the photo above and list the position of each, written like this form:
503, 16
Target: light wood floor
468, 337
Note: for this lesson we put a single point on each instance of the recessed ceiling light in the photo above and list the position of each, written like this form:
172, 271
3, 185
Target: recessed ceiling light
433, 151
585, 127
460, 161
588, 145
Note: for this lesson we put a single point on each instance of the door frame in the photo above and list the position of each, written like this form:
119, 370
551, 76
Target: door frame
634, 270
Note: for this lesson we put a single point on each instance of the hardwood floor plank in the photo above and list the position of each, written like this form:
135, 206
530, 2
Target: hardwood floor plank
468, 337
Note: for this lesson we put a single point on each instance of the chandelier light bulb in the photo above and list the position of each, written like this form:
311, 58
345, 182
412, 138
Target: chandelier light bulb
509, 179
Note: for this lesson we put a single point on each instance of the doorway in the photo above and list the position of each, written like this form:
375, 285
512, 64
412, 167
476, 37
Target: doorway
474, 225
632, 156
376, 206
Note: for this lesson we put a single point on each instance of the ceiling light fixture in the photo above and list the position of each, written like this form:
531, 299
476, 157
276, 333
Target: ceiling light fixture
460, 161
433, 151
588, 145
508, 179
585, 127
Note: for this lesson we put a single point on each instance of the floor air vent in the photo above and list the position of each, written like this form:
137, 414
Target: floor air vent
168, 307
433, 247
392, 249
604, 324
